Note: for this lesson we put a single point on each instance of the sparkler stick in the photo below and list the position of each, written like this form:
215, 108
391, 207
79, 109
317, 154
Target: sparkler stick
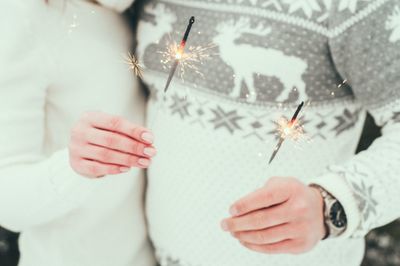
286, 131
179, 53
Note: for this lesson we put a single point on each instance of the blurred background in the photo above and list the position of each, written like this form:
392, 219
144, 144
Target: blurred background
382, 249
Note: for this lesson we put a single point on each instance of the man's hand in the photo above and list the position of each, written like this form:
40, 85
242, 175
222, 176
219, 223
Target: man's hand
284, 216
102, 144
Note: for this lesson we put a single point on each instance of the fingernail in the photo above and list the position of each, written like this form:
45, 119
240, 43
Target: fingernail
224, 225
149, 151
148, 137
233, 211
144, 162
124, 169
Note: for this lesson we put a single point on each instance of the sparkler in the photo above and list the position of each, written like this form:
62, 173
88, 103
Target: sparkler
288, 129
134, 64
179, 53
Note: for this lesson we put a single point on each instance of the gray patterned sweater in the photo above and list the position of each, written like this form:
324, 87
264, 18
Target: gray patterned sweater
216, 130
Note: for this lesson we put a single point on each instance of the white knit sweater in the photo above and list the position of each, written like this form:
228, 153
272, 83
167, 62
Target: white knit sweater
214, 146
57, 61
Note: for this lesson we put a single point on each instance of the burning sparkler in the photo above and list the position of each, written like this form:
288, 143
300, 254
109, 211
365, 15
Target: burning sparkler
179, 53
134, 64
288, 129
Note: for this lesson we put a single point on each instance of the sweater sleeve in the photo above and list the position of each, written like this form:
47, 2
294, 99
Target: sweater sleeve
34, 188
367, 54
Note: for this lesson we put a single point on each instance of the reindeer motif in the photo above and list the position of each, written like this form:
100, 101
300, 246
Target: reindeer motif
247, 60
393, 23
152, 31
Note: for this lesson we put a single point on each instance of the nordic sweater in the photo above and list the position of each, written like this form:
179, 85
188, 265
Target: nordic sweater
56, 62
216, 131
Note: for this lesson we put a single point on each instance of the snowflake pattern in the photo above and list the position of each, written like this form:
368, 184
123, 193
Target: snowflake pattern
250, 124
226, 119
307, 6
351, 5
179, 106
396, 117
363, 194
346, 120
393, 24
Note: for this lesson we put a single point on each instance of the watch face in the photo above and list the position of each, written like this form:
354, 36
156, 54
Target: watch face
337, 215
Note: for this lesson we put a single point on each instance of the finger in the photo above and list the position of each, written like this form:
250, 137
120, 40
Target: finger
120, 125
108, 156
266, 236
119, 142
285, 246
264, 197
257, 220
95, 169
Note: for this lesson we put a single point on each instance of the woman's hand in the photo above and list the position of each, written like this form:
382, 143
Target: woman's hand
102, 144
284, 216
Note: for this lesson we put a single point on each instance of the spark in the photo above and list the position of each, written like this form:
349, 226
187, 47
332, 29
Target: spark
288, 129
191, 60
134, 65
344, 82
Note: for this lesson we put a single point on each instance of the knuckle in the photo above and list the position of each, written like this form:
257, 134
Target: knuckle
104, 154
261, 237
109, 140
258, 220
131, 160
135, 131
115, 123
240, 206
300, 206
135, 147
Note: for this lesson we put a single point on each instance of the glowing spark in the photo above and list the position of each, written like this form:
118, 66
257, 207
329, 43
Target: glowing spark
288, 129
74, 24
134, 64
343, 83
191, 60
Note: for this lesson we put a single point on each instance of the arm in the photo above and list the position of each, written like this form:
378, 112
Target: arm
368, 185
285, 216
36, 188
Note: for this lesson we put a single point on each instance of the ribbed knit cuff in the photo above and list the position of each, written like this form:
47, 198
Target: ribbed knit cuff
338, 187
67, 184
118, 5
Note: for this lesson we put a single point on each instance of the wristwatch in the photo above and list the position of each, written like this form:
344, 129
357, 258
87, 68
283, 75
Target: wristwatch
335, 219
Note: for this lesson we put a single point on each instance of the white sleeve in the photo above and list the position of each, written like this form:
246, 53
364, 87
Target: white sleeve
34, 189
368, 185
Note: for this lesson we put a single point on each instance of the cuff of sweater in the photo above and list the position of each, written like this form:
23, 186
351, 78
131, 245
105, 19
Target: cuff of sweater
337, 186
66, 183
118, 5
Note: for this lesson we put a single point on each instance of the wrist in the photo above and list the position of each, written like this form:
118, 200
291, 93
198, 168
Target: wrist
323, 229
334, 216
